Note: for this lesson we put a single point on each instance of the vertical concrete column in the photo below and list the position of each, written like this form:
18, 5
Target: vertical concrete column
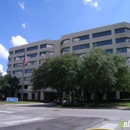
36, 96
29, 95
118, 95
42, 95
15, 94
92, 95
70, 98
64, 95
82, 95
104, 97
48, 95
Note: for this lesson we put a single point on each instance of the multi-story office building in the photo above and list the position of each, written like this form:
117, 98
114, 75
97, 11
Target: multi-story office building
113, 38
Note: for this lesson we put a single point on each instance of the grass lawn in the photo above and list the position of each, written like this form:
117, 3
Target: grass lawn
99, 105
20, 102
124, 104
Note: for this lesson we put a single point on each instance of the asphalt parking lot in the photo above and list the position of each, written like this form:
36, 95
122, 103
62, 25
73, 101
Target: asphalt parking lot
61, 123
41, 117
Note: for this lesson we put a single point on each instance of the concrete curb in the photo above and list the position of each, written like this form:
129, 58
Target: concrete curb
98, 121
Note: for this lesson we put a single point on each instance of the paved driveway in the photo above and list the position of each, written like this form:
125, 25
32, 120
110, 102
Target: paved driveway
40, 117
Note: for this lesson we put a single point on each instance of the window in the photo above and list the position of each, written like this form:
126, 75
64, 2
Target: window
81, 38
32, 48
50, 53
128, 60
20, 79
67, 49
32, 55
11, 52
102, 43
79, 47
18, 58
25, 86
124, 39
121, 30
46, 53
43, 46
43, 53
109, 51
8, 72
81, 55
17, 71
19, 51
123, 50
18, 65
65, 41
10, 59
100, 34
28, 78
32, 63
28, 70
9, 66
46, 46
41, 61
50, 46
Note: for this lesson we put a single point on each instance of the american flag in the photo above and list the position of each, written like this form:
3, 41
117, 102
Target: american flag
25, 60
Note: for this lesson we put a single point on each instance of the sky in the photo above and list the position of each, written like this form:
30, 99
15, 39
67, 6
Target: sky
26, 21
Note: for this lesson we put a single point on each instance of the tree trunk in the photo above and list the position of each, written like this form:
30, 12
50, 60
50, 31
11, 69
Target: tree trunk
93, 96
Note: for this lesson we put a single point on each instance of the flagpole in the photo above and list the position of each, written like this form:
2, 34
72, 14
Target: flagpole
22, 84
25, 61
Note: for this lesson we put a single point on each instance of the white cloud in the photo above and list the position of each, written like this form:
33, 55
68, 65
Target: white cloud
86, 1
92, 3
18, 40
3, 52
1, 70
21, 5
24, 25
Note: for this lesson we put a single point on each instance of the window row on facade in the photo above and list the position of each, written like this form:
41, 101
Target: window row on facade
95, 44
29, 78
21, 71
118, 50
32, 48
28, 64
95, 35
32, 55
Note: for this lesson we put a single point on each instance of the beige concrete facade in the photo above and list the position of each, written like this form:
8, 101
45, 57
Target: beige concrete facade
65, 44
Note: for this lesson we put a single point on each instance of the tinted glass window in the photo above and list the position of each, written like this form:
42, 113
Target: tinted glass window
32, 48
67, 49
17, 71
81, 38
18, 65
19, 51
11, 52
43, 46
120, 30
32, 55
102, 43
109, 51
102, 34
124, 39
79, 47
122, 50
29, 71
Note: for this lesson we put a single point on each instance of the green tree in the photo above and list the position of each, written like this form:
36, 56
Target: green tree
105, 73
72, 65
8, 85
50, 74
58, 73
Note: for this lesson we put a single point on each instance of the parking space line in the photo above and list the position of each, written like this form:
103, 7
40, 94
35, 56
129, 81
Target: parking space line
6, 112
110, 126
21, 121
